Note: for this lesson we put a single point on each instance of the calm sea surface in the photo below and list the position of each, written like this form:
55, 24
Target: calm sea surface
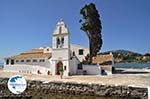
132, 65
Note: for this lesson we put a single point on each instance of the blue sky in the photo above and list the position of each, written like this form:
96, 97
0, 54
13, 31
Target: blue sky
27, 24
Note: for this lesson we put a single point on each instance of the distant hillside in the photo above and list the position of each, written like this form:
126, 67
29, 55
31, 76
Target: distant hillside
124, 56
122, 52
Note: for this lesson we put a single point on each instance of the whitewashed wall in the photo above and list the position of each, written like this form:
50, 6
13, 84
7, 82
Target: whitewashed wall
42, 64
92, 69
75, 48
73, 65
60, 54
53, 67
148, 88
66, 63
29, 69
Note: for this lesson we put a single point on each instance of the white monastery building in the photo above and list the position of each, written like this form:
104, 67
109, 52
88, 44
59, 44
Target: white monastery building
48, 60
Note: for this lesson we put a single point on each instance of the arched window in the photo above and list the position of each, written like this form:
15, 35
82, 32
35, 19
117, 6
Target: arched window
58, 42
73, 53
62, 41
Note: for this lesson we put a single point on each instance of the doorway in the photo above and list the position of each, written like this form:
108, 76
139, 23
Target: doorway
59, 67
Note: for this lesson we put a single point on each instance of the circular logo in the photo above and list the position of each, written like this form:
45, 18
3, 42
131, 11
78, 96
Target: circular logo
17, 84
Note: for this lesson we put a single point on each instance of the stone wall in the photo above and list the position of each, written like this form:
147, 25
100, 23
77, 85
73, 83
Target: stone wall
35, 87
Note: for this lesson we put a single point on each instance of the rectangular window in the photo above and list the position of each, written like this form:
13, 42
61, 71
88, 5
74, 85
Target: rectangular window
17, 61
34, 60
28, 60
73, 53
12, 62
42, 60
81, 51
80, 67
64, 67
22, 60
7, 61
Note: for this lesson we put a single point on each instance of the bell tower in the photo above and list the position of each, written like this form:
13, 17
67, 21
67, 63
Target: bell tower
60, 36
60, 48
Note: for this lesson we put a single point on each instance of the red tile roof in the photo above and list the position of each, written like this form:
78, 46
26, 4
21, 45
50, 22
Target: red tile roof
34, 53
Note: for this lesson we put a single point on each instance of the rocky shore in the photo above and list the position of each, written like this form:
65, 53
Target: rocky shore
37, 90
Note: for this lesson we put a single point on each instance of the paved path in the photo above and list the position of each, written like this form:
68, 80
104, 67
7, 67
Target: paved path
139, 80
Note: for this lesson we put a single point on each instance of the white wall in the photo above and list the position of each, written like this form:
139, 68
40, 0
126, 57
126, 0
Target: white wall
148, 88
92, 69
66, 63
53, 67
42, 64
60, 54
73, 65
75, 48
30, 69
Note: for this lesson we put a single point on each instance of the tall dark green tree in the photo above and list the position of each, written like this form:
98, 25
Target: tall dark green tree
91, 24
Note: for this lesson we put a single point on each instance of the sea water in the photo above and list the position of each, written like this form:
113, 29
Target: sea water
132, 65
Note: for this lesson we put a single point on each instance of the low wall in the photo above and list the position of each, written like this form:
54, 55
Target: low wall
29, 69
35, 87
92, 69
107, 69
